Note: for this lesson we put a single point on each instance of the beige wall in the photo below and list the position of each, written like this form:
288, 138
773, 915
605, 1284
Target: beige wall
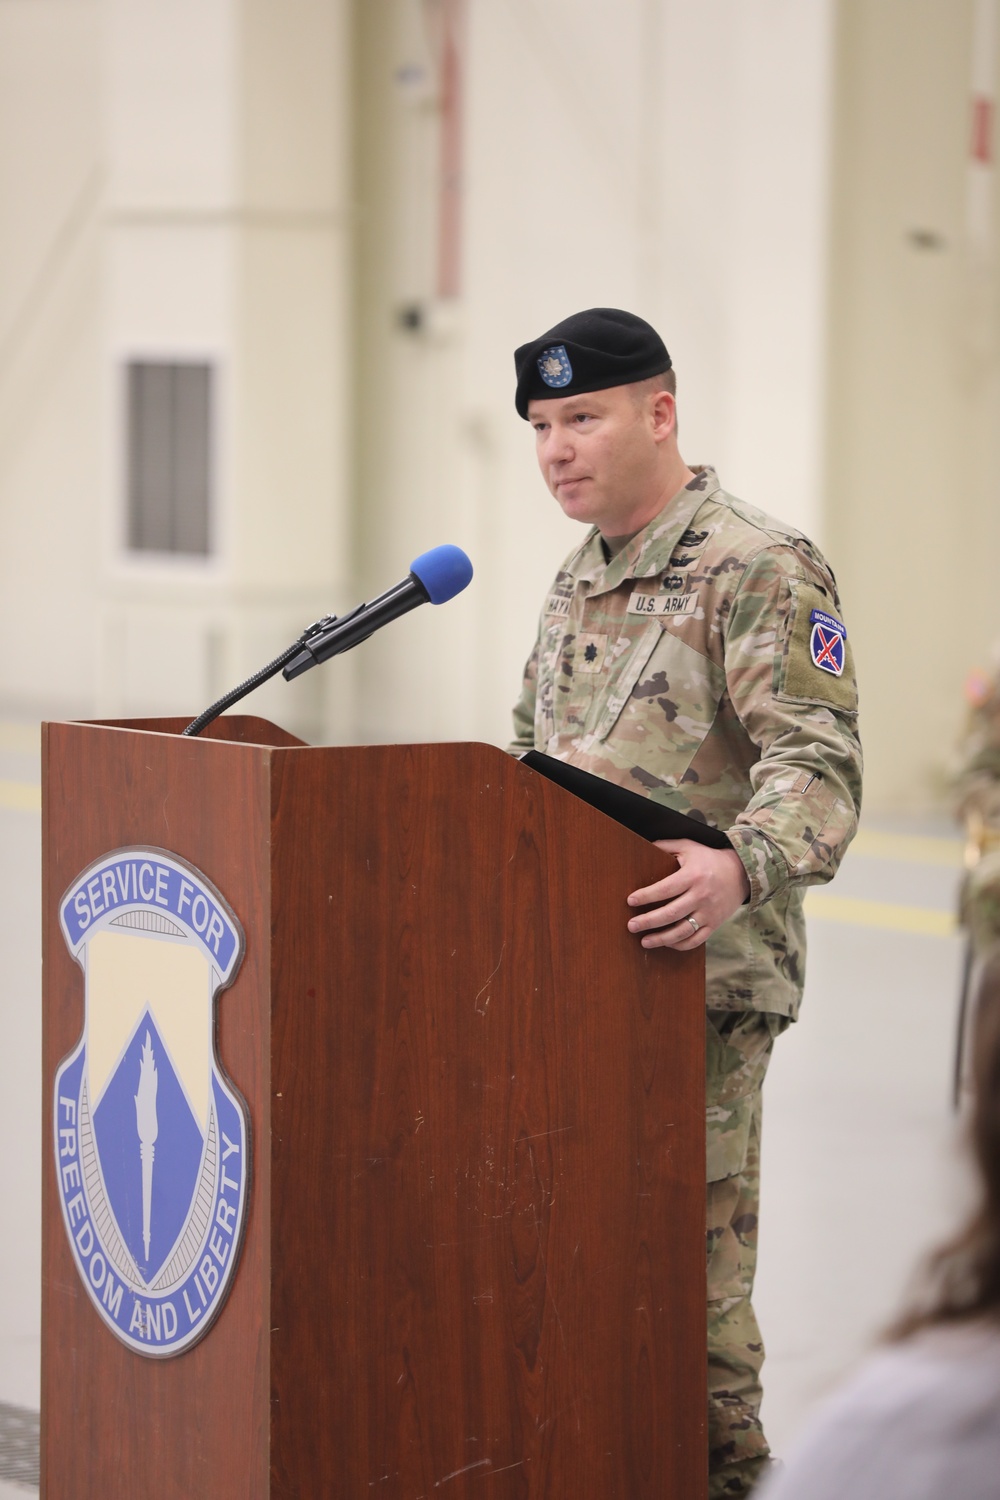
51, 181
913, 483
173, 184
225, 231
660, 155
261, 186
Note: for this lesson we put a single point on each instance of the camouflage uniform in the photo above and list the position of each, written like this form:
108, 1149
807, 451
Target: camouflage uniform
978, 771
682, 668
977, 787
978, 790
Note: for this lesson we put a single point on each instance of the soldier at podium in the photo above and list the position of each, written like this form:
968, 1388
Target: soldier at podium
693, 648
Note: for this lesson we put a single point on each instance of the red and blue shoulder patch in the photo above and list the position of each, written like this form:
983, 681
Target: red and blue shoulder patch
827, 643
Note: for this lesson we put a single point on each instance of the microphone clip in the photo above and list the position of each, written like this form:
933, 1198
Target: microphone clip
322, 640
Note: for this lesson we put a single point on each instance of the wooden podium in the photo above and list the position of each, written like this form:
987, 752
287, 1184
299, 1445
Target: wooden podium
474, 1257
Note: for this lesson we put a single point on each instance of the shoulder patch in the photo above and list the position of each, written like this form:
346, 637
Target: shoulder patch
817, 665
827, 643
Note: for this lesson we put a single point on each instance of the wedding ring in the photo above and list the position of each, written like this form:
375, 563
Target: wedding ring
694, 925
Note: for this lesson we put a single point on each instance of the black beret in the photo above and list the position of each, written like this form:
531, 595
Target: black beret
589, 351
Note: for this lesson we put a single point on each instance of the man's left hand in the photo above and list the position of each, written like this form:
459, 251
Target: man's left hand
710, 886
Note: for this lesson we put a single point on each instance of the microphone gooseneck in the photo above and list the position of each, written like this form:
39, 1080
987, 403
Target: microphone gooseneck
434, 578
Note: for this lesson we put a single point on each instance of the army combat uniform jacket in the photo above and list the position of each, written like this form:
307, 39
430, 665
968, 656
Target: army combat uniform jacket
977, 773
706, 665
977, 787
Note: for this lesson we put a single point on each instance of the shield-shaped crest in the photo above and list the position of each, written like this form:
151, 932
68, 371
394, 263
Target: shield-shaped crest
151, 1139
554, 366
826, 643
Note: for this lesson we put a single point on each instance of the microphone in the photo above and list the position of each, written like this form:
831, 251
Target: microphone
434, 578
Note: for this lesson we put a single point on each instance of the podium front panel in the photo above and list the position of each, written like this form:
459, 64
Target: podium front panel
473, 1258
488, 1141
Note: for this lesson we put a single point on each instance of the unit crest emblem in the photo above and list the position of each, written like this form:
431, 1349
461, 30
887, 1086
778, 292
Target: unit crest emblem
826, 643
151, 1141
554, 366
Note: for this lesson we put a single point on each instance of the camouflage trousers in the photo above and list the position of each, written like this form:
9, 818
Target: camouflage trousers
738, 1050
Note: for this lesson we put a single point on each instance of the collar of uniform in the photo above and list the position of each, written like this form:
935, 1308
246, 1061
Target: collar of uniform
650, 550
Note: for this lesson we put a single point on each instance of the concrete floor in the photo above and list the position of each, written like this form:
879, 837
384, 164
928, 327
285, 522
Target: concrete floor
861, 1168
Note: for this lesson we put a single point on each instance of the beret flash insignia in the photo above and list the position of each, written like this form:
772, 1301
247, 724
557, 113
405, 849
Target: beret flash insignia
554, 366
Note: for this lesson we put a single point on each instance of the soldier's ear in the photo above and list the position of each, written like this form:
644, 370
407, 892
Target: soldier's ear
663, 410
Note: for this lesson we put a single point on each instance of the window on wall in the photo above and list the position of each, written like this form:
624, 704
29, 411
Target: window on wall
169, 460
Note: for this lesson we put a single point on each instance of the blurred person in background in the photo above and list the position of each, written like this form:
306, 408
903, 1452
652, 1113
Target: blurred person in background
921, 1420
691, 649
977, 785
977, 799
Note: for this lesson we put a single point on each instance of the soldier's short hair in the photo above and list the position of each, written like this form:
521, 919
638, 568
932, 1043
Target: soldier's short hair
665, 381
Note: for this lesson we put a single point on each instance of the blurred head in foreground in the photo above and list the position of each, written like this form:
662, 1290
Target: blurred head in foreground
963, 1280
920, 1420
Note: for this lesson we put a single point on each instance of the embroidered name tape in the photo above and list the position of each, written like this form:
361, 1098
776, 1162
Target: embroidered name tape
557, 604
658, 605
826, 643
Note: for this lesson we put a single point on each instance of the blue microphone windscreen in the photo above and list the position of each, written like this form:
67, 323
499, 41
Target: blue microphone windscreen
443, 571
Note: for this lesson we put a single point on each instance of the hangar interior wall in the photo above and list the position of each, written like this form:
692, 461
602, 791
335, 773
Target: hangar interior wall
912, 492
356, 211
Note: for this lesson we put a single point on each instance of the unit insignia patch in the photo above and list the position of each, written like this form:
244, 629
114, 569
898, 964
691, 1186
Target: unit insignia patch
826, 643
151, 1140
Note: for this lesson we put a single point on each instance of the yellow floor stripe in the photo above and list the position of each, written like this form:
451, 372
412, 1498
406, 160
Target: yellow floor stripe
22, 796
908, 847
887, 915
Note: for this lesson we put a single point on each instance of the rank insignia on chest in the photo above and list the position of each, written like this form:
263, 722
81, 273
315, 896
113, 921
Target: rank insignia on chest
826, 643
590, 653
660, 605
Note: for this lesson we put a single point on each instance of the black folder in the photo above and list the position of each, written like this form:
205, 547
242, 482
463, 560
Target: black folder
651, 820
